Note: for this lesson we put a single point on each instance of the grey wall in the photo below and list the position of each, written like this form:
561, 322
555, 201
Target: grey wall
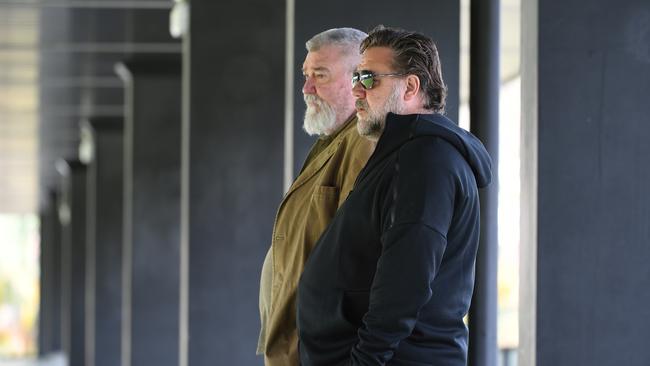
235, 130
104, 245
439, 19
593, 303
80, 43
73, 260
151, 211
49, 318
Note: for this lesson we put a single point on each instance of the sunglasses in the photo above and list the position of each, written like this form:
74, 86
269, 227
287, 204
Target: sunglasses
367, 78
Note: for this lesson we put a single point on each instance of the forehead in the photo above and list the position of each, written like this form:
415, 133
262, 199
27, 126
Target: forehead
326, 57
376, 59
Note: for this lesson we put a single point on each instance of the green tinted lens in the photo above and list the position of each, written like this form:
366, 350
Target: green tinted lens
355, 78
366, 78
367, 81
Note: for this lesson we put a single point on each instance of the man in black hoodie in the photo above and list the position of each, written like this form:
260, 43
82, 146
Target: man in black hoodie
391, 278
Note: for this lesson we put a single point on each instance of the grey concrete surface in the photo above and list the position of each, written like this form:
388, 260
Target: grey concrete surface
151, 211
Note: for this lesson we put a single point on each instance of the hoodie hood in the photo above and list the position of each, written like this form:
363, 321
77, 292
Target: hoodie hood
402, 128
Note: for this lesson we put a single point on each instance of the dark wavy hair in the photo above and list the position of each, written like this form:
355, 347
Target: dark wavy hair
416, 54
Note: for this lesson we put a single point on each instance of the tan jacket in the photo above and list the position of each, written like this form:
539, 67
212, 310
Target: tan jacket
323, 185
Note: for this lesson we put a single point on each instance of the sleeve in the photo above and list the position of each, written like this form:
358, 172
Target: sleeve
416, 216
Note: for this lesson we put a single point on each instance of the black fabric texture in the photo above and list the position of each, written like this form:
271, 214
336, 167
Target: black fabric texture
391, 278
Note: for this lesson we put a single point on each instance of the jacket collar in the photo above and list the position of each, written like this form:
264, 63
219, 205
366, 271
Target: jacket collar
396, 132
401, 128
313, 164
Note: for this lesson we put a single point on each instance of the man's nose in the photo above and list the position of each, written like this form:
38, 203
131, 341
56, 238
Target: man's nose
309, 87
358, 91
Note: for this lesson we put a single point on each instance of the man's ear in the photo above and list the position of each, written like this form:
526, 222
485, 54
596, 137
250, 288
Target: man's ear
412, 87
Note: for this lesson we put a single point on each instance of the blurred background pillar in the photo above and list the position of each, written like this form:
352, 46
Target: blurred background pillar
72, 213
49, 334
151, 210
102, 149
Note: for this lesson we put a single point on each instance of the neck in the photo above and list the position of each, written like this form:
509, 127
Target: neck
416, 110
339, 125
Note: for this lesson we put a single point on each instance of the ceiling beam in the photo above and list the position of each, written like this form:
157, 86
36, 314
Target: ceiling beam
80, 4
106, 47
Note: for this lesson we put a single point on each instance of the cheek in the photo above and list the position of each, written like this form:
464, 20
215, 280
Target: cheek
345, 88
326, 93
376, 99
338, 94
344, 94
371, 100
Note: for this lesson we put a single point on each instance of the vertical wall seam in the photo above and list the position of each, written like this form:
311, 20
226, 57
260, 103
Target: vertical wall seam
184, 275
529, 184
288, 94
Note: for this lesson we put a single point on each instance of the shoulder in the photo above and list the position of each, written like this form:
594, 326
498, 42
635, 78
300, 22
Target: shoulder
350, 132
355, 144
430, 151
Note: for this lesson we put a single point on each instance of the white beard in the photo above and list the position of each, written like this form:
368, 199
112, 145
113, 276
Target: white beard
319, 119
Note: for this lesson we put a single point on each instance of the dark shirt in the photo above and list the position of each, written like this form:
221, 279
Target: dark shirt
391, 278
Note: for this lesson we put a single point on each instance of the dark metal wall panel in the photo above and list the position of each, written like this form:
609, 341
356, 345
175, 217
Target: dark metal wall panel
593, 305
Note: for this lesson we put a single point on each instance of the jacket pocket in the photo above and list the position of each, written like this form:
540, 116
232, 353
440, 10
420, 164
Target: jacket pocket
326, 192
324, 203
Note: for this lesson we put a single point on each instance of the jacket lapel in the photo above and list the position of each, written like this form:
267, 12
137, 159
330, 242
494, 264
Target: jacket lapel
316, 164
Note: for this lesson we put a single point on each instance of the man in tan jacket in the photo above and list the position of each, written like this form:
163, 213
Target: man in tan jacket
323, 184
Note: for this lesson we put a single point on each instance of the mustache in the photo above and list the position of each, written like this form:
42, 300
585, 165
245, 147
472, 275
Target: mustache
361, 104
309, 98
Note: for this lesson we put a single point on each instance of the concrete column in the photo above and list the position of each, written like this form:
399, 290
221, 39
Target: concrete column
44, 317
586, 240
49, 332
233, 154
102, 149
151, 211
72, 213
484, 121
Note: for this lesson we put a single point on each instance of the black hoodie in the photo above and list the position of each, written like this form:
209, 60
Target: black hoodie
391, 278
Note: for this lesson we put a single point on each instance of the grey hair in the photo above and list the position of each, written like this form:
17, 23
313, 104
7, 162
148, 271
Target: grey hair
349, 39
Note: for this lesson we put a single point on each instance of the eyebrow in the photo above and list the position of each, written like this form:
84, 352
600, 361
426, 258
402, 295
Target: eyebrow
318, 69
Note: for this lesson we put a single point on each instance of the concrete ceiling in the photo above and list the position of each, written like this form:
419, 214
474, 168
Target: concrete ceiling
57, 62
18, 108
